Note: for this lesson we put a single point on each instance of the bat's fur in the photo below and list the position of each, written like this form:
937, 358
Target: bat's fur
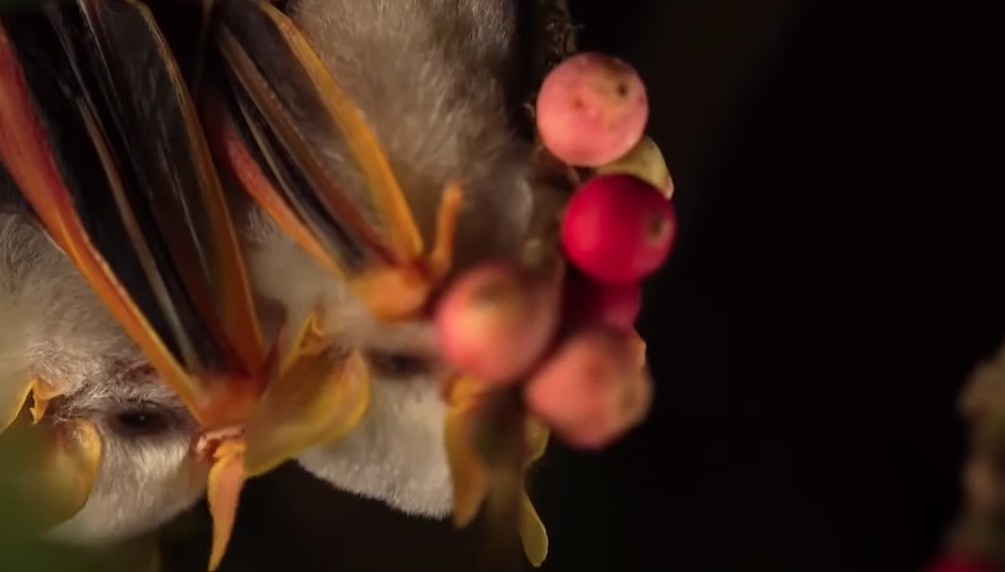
396, 455
54, 328
430, 78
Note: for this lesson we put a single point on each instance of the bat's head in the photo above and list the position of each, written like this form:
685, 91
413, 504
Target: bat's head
87, 384
147, 473
396, 453
429, 83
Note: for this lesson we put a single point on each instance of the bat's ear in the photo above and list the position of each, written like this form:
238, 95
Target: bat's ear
53, 468
226, 480
533, 534
15, 376
319, 396
469, 474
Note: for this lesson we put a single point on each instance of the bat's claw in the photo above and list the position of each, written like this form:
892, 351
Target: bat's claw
35, 393
208, 445
42, 395
393, 294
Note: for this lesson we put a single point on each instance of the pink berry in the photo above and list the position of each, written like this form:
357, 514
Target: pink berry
494, 324
591, 110
592, 392
618, 229
615, 305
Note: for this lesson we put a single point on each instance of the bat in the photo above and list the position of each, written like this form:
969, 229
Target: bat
377, 141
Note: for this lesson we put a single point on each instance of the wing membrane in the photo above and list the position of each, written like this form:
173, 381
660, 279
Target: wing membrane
149, 106
266, 173
307, 112
126, 187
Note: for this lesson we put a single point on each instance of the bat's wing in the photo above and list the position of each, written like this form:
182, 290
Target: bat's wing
292, 116
98, 133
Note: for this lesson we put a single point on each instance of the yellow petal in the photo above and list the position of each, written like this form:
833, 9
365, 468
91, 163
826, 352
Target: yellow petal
319, 398
226, 479
532, 533
470, 476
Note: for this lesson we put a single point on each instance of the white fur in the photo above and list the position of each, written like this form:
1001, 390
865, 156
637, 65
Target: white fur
61, 333
396, 455
427, 76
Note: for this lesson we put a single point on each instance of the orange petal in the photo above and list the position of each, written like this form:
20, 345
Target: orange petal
226, 480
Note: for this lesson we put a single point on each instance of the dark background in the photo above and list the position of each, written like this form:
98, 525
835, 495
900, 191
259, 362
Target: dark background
836, 278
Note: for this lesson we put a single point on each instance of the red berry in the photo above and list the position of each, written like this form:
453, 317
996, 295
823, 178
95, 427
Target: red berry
618, 229
494, 323
591, 110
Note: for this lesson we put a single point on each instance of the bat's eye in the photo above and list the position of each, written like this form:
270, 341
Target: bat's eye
139, 421
386, 364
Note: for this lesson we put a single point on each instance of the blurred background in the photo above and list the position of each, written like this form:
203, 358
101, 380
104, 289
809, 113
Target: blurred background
836, 278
